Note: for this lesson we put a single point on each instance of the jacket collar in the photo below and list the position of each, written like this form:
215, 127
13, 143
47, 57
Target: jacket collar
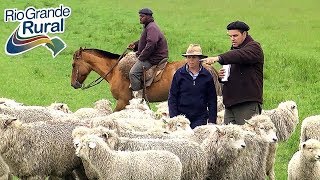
186, 71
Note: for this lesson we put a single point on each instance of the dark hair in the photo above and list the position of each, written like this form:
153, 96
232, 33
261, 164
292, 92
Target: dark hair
238, 25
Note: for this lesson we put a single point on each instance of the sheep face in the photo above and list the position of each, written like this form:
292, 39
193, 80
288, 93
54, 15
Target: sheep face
109, 136
160, 115
60, 107
311, 150
264, 127
233, 136
87, 144
291, 106
162, 110
178, 123
77, 133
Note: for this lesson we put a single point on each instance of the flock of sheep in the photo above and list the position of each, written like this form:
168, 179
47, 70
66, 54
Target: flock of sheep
137, 143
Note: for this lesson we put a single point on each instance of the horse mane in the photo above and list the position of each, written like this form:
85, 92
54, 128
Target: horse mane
102, 53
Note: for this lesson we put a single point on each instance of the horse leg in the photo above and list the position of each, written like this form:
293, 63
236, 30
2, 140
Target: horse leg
121, 104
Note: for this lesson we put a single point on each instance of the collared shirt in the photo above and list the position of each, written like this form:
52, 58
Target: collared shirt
194, 76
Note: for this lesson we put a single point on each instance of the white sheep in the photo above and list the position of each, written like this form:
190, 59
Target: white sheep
77, 134
305, 163
223, 145
136, 116
9, 102
192, 157
125, 165
258, 158
35, 113
176, 127
220, 117
162, 110
37, 150
101, 108
285, 117
310, 128
220, 105
136, 109
4, 170
60, 106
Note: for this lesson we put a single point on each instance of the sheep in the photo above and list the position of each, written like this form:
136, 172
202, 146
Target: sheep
136, 109
176, 127
4, 170
37, 150
136, 116
101, 108
77, 134
220, 105
162, 110
9, 102
123, 165
259, 156
310, 128
220, 117
178, 124
61, 107
30, 114
285, 118
223, 145
192, 157
305, 163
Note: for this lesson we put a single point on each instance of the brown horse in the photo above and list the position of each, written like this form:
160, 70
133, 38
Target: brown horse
105, 64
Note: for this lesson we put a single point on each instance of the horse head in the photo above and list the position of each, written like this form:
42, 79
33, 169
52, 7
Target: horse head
80, 69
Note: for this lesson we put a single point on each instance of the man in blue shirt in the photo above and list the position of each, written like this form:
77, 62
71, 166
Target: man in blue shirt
192, 91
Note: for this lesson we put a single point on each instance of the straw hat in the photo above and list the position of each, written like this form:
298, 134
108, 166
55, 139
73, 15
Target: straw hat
194, 50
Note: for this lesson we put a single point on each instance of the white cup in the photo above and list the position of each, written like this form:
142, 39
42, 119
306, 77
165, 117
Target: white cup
226, 72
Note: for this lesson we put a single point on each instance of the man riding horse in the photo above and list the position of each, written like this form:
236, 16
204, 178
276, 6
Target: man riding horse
151, 49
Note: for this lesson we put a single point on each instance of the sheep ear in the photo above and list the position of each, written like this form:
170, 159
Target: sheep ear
113, 141
219, 131
61, 106
92, 145
247, 122
164, 120
9, 121
304, 145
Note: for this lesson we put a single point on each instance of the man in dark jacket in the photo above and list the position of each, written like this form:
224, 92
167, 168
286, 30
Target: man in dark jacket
192, 91
242, 92
151, 49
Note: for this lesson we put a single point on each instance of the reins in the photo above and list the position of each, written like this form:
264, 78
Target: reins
99, 79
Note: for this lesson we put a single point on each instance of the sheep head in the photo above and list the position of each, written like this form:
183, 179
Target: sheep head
264, 127
6, 120
311, 150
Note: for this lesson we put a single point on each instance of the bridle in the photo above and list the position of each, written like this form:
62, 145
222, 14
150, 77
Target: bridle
99, 79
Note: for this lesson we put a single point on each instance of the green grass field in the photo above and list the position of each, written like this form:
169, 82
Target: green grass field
288, 31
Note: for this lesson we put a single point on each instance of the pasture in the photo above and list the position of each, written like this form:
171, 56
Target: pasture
288, 31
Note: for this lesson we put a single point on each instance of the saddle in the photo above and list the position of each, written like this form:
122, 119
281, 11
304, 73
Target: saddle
153, 74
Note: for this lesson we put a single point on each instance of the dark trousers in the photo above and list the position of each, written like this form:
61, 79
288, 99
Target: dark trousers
198, 120
236, 114
136, 73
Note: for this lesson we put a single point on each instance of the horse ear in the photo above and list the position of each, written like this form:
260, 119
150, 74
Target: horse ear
81, 49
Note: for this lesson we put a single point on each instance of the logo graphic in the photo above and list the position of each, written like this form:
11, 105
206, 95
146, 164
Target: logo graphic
34, 26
